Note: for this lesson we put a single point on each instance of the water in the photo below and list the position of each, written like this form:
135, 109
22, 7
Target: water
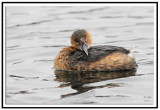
34, 36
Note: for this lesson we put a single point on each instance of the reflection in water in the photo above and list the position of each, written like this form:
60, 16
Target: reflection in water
77, 80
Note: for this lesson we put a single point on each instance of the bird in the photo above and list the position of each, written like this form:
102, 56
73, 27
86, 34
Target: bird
81, 56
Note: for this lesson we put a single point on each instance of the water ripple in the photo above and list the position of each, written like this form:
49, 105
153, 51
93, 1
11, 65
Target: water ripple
54, 46
145, 23
111, 36
138, 17
112, 17
145, 62
20, 92
32, 23
128, 40
19, 13
65, 31
11, 47
17, 62
44, 60
15, 76
113, 96
86, 11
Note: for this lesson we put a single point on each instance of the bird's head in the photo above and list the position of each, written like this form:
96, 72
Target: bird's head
81, 40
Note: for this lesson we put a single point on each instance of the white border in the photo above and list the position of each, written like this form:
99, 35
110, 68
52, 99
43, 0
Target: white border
155, 56
4, 58
79, 4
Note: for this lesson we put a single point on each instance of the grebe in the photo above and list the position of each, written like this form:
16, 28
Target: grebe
82, 57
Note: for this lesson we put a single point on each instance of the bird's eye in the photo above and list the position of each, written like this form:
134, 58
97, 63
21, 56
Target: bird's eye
76, 40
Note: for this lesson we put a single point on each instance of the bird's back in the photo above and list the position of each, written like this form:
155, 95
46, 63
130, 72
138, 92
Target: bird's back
97, 53
99, 58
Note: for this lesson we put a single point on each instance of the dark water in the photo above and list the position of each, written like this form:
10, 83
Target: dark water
34, 35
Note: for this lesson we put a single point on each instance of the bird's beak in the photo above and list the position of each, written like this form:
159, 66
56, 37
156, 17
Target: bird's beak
84, 46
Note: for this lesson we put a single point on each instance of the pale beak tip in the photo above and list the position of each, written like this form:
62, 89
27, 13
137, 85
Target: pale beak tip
86, 53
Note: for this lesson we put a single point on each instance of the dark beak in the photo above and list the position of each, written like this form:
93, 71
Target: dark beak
84, 46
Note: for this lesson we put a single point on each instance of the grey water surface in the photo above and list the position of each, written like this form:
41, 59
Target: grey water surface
35, 35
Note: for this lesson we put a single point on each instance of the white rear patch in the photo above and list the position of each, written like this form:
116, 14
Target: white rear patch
130, 55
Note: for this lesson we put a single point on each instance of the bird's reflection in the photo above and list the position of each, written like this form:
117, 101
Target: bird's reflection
77, 80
